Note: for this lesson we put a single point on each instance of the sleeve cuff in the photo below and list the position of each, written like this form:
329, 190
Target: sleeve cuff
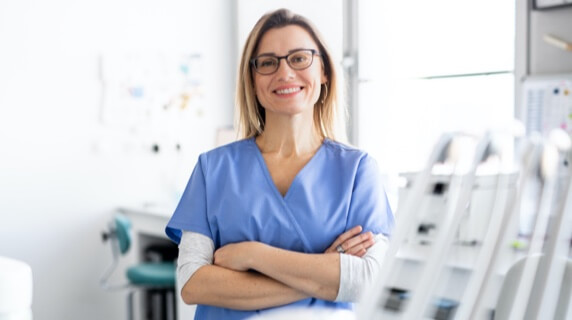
356, 273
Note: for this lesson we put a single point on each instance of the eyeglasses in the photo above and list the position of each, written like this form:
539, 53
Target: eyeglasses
298, 60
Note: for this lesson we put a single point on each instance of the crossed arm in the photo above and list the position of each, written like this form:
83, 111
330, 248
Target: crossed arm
282, 276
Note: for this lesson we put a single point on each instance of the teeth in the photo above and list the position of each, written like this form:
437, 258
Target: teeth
289, 90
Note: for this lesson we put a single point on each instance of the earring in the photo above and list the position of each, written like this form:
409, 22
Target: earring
326, 94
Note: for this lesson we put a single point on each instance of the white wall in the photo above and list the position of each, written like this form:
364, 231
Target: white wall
61, 172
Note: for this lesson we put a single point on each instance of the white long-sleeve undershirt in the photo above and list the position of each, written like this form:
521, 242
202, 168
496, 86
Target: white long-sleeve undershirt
197, 250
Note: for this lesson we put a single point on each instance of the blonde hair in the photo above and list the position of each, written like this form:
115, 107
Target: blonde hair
329, 114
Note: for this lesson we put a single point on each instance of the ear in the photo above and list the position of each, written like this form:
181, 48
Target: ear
323, 77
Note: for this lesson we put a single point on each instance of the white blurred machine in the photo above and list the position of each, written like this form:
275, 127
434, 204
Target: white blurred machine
464, 228
473, 226
15, 290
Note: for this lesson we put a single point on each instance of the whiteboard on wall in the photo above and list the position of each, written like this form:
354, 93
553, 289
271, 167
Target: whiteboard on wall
326, 15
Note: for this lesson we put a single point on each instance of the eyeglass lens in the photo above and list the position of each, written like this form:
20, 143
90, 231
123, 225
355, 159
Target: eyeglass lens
297, 60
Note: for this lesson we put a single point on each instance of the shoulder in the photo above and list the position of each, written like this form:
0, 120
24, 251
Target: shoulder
349, 158
345, 153
230, 150
341, 148
232, 154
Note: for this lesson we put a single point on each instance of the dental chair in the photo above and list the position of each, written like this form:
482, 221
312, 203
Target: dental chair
15, 290
156, 276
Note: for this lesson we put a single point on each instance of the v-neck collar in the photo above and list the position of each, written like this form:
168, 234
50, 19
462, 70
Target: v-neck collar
268, 176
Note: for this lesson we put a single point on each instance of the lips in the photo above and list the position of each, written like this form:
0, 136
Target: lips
288, 90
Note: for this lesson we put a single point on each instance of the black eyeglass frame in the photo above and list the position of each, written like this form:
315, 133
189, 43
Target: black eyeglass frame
253, 60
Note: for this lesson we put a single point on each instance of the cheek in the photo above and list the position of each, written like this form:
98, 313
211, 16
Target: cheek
261, 95
259, 87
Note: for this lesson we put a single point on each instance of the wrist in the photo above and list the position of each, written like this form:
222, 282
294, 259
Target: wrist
256, 253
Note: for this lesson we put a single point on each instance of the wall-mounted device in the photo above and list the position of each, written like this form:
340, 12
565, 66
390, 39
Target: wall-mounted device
547, 103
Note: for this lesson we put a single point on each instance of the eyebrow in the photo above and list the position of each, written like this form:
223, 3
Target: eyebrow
289, 51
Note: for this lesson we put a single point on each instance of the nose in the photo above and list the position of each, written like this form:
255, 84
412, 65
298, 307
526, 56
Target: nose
284, 69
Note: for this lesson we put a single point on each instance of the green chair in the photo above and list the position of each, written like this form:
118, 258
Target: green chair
158, 276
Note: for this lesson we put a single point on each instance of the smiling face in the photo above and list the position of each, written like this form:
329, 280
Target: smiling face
288, 91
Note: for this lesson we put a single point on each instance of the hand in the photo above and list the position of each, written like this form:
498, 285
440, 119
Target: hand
235, 256
353, 242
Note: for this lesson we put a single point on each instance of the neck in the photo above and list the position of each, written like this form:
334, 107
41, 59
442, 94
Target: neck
292, 137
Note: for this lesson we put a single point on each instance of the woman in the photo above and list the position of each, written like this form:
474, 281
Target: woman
276, 219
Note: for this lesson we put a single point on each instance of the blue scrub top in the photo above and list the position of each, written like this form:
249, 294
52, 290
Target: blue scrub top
231, 197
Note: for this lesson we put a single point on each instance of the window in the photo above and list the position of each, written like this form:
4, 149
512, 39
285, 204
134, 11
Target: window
427, 67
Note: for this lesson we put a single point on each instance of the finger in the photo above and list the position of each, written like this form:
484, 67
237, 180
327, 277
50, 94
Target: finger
361, 249
357, 251
361, 253
347, 235
343, 237
361, 246
357, 240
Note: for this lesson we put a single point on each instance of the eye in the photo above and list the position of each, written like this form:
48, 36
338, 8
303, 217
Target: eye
299, 58
265, 62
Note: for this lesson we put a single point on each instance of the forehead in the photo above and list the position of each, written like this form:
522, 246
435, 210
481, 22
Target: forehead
280, 41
